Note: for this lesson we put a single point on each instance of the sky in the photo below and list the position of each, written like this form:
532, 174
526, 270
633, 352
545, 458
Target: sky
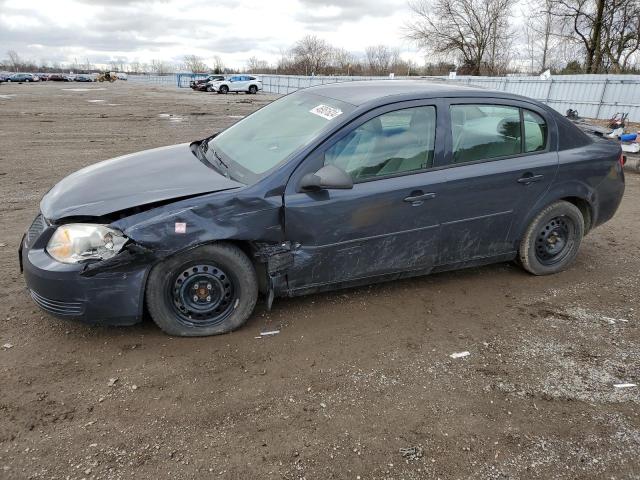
102, 30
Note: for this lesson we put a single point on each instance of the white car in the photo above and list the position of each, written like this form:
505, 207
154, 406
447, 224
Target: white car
236, 83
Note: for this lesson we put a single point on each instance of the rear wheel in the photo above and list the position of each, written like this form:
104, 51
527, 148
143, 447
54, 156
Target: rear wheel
223, 89
206, 291
552, 240
209, 88
253, 89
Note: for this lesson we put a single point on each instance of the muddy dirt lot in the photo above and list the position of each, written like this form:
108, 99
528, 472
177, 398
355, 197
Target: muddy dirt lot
353, 377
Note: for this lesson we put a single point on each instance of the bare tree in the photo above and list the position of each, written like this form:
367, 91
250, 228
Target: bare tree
255, 65
343, 61
381, 59
194, 64
159, 67
312, 54
547, 31
14, 60
468, 29
218, 64
621, 33
582, 22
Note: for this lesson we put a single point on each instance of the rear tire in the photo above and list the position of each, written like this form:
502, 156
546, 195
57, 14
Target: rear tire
209, 89
552, 240
209, 290
253, 89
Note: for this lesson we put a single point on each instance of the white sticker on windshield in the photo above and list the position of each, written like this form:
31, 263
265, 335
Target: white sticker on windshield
325, 111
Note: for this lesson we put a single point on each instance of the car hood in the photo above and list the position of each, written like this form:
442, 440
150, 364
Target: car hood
133, 180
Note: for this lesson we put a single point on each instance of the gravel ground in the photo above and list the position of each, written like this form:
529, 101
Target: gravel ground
358, 384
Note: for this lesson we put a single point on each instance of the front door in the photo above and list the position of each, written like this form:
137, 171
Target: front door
389, 221
500, 164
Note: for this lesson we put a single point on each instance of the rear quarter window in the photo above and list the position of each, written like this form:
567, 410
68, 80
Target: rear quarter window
570, 136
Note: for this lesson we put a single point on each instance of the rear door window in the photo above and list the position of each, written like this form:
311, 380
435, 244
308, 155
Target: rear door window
535, 132
483, 132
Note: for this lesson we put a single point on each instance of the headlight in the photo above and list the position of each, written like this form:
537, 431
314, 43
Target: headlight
76, 242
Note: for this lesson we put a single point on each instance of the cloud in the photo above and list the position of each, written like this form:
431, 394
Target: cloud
169, 29
326, 15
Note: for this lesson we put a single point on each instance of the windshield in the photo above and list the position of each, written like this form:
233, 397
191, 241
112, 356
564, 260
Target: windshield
252, 147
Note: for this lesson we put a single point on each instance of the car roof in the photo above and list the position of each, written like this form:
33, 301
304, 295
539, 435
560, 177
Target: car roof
371, 91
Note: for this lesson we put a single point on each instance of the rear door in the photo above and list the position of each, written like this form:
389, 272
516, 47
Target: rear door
388, 222
234, 81
502, 159
242, 83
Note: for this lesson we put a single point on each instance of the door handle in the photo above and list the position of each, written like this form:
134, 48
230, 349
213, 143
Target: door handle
528, 178
419, 197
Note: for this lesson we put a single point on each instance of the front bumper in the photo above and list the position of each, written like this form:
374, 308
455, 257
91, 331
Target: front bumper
106, 298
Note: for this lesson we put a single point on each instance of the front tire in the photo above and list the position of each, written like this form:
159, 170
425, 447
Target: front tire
209, 290
552, 240
223, 89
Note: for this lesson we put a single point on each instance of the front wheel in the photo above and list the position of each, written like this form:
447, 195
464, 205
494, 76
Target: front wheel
223, 89
206, 291
552, 240
209, 89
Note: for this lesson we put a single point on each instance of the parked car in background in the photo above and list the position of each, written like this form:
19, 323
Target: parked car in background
236, 83
82, 77
328, 187
58, 77
23, 77
4, 77
43, 76
122, 76
201, 83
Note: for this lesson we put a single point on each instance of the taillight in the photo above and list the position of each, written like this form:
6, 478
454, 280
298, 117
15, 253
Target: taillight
622, 160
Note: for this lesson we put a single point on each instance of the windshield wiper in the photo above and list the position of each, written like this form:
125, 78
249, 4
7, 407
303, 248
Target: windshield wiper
215, 154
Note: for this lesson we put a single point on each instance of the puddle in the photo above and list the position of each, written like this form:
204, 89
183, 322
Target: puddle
236, 116
96, 101
171, 117
82, 89
8, 96
113, 104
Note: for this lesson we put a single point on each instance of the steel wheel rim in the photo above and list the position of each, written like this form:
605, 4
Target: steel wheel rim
203, 295
554, 240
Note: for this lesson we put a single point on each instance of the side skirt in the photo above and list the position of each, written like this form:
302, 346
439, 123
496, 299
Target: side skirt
325, 287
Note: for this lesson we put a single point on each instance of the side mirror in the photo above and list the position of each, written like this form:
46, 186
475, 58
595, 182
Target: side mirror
328, 177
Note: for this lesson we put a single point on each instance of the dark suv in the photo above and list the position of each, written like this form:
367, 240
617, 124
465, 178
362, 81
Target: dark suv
200, 84
329, 187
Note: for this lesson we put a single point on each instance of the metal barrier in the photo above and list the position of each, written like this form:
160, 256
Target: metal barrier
594, 96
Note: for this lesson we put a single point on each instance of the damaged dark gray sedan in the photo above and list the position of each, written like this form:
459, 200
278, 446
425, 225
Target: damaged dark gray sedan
333, 186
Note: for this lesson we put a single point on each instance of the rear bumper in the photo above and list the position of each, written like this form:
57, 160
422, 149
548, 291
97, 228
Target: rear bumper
108, 298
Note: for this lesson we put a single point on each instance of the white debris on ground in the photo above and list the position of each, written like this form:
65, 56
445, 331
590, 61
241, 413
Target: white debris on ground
269, 333
459, 354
